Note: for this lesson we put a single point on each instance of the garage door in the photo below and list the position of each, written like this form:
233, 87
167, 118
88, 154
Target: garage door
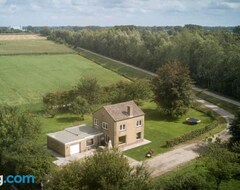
74, 149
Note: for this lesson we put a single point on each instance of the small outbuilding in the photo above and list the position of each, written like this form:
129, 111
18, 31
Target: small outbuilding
74, 140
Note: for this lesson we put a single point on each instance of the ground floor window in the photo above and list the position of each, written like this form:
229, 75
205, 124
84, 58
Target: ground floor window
122, 140
138, 136
90, 142
107, 138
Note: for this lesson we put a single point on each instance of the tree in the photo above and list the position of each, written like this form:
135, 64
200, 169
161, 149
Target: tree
220, 163
19, 153
236, 30
45, 31
189, 180
138, 91
172, 88
235, 129
90, 90
104, 170
80, 106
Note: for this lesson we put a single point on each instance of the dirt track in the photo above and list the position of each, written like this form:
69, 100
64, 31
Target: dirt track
20, 37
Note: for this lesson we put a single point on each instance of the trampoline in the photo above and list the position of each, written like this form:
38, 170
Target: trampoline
192, 121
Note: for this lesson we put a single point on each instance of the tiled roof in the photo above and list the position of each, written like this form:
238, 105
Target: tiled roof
120, 111
76, 133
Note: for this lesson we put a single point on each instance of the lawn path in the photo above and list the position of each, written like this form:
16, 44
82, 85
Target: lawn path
168, 161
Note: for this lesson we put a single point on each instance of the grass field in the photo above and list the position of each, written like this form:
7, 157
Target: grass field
32, 46
25, 79
159, 129
112, 65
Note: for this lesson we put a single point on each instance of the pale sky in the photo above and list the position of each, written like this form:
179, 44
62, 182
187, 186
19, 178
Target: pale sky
119, 12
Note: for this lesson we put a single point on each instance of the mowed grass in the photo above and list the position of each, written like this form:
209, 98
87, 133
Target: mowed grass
32, 46
25, 79
114, 65
159, 129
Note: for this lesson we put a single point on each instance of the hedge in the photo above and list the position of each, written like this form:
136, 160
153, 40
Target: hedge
191, 135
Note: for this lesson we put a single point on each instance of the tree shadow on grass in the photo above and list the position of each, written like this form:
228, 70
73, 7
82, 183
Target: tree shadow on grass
156, 115
68, 119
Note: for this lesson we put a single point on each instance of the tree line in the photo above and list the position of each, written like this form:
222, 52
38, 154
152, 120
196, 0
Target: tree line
88, 93
213, 56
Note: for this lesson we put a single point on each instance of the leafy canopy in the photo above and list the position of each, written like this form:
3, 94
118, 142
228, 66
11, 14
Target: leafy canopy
172, 88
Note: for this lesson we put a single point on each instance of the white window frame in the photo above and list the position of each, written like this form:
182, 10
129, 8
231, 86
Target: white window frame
139, 123
105, 125
122, 127
95, 121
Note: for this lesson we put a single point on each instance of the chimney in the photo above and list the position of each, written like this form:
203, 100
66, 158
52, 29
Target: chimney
129, 111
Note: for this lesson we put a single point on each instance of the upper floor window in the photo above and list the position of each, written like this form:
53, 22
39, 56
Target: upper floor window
122, 127
139, 123
104, 125
95, 121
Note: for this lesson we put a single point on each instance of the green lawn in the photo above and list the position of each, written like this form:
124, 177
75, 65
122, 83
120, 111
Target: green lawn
113, 65
159, 129
10, 47
25, 79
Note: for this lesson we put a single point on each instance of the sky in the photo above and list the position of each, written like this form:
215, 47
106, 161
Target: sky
119, 12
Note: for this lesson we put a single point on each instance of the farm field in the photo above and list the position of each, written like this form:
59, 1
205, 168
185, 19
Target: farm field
20, 37
159, 129
25, 79
31, 46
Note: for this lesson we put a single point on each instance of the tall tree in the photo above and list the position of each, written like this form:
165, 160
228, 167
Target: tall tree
172, 88
19, 153
104, 170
